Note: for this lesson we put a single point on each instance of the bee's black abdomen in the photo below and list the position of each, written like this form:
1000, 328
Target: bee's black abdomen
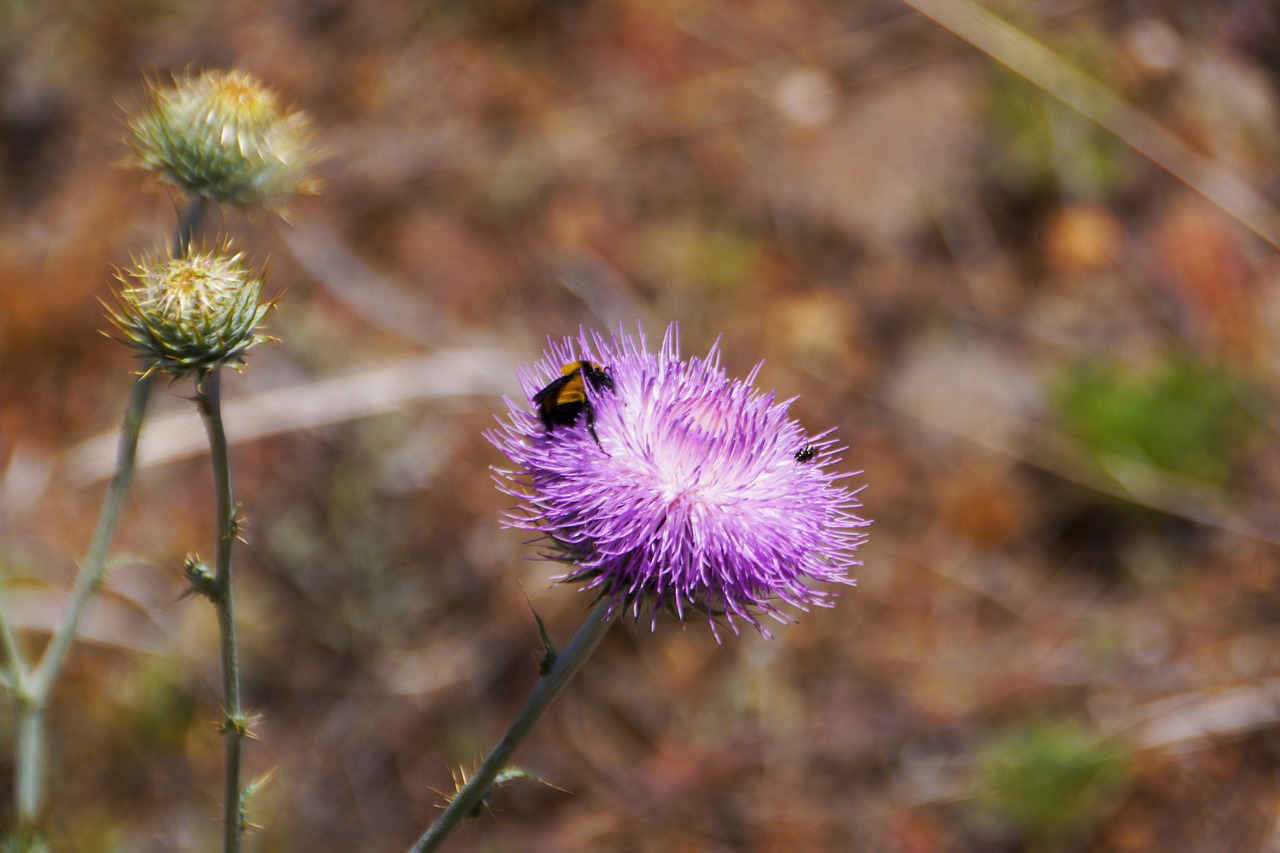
561, 414
565, 398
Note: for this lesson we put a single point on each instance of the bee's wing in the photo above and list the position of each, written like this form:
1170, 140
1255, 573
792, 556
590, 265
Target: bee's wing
552, 389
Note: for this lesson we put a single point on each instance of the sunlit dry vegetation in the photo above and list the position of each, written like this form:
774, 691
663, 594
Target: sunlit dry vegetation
1046, 331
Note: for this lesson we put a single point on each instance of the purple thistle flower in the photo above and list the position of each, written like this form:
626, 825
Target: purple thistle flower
699, 495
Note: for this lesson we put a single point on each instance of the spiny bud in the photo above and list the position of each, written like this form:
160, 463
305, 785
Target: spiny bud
224, 136
192, 313
201, 577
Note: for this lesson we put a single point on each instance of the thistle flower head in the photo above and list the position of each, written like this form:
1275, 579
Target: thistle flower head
191, 313
695, 494
223, 135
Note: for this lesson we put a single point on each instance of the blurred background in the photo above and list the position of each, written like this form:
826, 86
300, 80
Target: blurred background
1054, 361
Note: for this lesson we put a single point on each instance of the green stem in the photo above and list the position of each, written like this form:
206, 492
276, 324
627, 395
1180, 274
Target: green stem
17, 673
187, 225
28, 761
566, 665
32, 689
209, 398
94, 565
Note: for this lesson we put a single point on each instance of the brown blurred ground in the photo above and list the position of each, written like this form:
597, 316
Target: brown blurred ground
918, 244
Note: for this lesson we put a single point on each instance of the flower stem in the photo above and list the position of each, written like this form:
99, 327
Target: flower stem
32, 689
93, 567
209, 398
566, 665
16, 672
28, 747
187, 225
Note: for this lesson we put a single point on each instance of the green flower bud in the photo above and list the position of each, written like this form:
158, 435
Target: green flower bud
224, 136
201, 577
191, 313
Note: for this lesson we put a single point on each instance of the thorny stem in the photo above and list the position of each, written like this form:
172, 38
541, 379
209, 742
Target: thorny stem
187, 225
31, 690
566, 665
209, 399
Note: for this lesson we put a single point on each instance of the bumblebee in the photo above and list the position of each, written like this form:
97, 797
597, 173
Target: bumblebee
806, 453
566, 397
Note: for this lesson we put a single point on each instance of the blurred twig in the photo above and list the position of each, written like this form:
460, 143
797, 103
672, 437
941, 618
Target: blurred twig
371, 294
1015, 49
1152, 487
1223, 711
385, 387
414, 316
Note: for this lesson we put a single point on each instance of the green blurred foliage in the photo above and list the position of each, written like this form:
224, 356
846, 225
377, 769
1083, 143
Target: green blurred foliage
1184, 416
709, 256
1044, 147
162, 709
1053, 783
20, 841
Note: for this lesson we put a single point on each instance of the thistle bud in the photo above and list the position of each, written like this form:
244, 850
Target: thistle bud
224, 136
200, 577
192, 313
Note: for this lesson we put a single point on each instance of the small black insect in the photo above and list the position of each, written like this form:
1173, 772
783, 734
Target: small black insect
566, 397
806, 453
